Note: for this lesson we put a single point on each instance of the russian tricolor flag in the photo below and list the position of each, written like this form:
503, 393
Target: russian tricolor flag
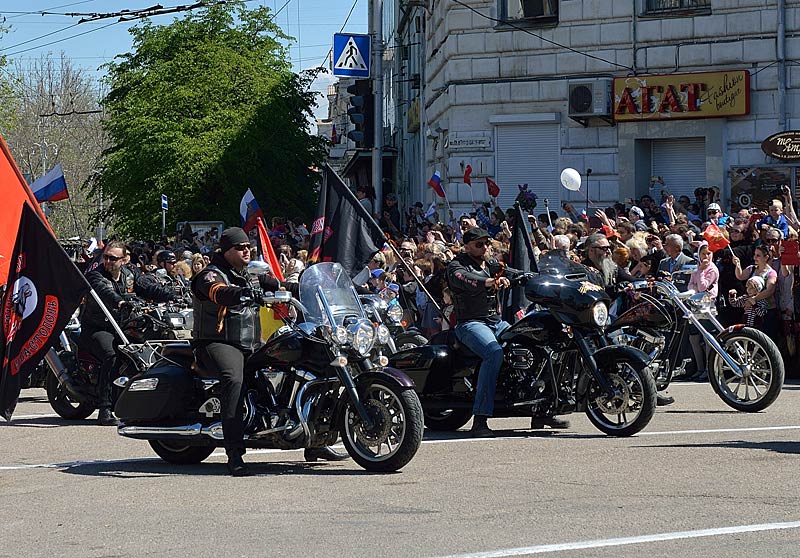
250, 211
436, 183
51, 187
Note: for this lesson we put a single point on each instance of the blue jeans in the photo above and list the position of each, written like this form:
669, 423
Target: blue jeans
481, 339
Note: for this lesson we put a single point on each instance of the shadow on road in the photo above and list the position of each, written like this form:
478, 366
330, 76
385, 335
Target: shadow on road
127, 469
792, 448
432, 435
701, 412
49, 422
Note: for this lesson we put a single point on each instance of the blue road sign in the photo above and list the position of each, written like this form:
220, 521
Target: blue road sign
351, 55
164, 202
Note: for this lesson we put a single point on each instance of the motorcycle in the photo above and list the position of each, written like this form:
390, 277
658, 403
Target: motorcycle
745, 368
556, 360
310, 382
38, 378
379, 310
72, 378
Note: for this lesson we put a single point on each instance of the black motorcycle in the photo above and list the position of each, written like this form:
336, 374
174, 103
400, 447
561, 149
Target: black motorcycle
557, 360
72, 379
380, 311
312, 381
745, 367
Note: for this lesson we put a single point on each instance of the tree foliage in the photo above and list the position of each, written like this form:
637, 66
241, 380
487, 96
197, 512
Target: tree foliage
201, 110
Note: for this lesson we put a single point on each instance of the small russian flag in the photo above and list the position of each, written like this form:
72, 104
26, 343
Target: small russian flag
51, 187
250, 211
436, 183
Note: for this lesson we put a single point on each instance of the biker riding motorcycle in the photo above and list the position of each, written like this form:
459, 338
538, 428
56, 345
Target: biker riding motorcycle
169, 277
474, 282
227, 331
112, 281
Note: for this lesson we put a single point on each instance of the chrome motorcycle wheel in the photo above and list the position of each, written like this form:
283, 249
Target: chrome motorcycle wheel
632, 406
761, 380
396, 430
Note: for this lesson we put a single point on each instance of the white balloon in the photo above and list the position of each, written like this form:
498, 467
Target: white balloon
571, 179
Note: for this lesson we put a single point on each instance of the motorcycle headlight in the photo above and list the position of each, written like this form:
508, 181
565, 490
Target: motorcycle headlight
338, 335
362, 336
395, 313
600, 314
383, 334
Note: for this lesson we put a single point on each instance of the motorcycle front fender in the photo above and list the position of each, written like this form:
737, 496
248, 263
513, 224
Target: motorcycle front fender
389, 375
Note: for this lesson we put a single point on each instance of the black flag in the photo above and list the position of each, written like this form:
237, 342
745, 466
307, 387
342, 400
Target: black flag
44, 289
343, 231
521, 257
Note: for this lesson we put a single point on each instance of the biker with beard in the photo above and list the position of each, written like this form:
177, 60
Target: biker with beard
611, 277
227, 331
474, 282
112, 281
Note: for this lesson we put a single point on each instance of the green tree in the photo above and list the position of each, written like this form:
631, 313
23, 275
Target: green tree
201, 110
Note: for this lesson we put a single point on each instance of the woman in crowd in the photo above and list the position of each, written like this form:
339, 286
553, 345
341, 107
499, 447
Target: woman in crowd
704, 280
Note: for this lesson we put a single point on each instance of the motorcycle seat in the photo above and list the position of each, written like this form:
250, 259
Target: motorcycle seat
457, 346
183, 354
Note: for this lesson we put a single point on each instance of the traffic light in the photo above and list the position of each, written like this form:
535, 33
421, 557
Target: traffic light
361, 113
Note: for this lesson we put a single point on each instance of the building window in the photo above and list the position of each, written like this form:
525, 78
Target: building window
544, 11
675, 7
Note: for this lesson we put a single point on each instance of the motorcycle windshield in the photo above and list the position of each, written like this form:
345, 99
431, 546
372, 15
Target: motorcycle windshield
557, 263
337, 291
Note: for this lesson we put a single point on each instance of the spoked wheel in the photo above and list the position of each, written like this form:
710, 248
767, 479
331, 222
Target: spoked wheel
395, 433
63, 404
632, 406
761, 378
180, 454
448, 419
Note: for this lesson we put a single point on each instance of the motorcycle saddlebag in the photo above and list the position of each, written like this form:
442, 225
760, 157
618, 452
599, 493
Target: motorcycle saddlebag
427, 365
158, 394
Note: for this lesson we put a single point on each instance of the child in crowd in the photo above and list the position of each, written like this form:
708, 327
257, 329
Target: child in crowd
390, 294
754, 314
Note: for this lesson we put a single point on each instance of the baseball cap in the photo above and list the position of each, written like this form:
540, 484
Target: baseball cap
475, 233
714, 206
638, 211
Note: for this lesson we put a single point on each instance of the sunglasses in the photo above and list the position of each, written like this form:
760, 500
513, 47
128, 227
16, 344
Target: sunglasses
712, 211
772, 241
481, 244
603, 248
242, 247
110, 258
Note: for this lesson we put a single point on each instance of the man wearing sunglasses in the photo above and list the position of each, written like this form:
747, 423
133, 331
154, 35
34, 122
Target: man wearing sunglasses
474, 282
112, 281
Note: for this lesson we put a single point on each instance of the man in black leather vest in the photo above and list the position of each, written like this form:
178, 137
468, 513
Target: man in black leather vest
112, 281
474, 283
227, 331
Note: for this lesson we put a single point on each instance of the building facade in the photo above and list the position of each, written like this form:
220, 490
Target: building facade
650, 95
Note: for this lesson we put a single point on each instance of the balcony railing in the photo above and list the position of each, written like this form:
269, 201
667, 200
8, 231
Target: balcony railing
667, 6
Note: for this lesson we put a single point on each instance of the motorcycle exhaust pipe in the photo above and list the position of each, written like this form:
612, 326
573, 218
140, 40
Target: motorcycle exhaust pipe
62, 374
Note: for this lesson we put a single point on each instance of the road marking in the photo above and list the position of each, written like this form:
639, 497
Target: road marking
24, 417
623, 541
561, 434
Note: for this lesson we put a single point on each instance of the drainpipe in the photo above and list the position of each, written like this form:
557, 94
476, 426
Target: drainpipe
781, 55
633, 35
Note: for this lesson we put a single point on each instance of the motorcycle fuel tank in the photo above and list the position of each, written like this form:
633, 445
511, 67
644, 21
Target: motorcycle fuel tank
644, 314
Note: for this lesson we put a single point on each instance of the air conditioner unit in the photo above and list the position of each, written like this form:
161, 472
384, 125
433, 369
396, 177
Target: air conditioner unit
590, 98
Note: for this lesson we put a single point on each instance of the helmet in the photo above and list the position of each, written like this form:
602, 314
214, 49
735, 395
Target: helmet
166, 256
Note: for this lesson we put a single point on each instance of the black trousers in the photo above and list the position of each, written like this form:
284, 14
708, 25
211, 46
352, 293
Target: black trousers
228, 362
100, 344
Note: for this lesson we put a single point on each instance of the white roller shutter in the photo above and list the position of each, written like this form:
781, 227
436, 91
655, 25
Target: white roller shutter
528, 154
681, 162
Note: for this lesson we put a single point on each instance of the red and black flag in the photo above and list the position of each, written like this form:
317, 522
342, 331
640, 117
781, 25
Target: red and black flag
521, 256
44, 288
343, 231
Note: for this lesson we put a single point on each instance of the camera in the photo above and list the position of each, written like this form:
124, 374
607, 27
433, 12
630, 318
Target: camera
651, 238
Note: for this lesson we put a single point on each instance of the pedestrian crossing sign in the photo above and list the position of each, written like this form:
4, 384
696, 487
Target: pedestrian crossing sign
351, 55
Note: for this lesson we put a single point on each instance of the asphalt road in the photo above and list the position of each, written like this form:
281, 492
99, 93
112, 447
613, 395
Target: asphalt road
701, 480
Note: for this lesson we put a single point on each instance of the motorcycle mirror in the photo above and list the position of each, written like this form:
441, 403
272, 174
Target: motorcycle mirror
571, 179
257, 268
278, 297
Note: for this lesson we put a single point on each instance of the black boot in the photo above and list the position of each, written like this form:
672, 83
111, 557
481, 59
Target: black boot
324, 454
539, 423
107, 418
480, 428
662, 399
236, 465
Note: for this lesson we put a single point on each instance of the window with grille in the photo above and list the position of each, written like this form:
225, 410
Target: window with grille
545, 11
657, 7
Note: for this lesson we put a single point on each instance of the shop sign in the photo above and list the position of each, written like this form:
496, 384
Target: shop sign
469, 141
783, 145
682, 96
413, 115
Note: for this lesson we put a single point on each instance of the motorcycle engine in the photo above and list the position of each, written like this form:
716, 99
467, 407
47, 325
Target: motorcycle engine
521, 379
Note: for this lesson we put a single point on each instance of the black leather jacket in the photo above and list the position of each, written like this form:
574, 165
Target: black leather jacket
219, 314
111, 293
471, 299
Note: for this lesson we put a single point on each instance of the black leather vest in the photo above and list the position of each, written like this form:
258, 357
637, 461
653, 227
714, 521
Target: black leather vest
240, 324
